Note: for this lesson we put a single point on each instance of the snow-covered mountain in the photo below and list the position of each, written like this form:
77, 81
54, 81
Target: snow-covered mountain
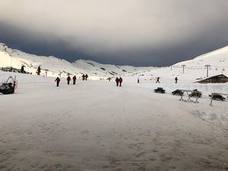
54, 66
217, 59
196, 68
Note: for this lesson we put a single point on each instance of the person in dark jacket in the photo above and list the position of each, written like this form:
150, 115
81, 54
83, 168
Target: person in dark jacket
120, 81
38, 70
117, 81
86, 77
57, 81
83, 77
74, 79
158, 80
68, 80
22, 69
176, 80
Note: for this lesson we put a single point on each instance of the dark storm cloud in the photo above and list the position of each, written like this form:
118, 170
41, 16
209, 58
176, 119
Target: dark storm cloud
42, 45
138, 32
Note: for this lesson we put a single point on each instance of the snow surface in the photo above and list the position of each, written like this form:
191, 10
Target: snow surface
95, 125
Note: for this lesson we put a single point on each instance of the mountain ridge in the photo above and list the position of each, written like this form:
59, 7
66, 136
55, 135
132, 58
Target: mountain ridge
53, 66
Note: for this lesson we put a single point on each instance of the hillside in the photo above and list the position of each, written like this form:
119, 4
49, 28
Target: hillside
217, 59
195, 69
53, 65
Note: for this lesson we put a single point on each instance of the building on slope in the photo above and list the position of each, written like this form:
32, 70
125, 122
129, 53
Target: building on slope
215, 79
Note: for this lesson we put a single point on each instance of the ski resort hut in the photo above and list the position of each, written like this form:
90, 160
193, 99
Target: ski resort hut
215, 79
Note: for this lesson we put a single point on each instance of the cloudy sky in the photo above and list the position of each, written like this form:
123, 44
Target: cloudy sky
135, 32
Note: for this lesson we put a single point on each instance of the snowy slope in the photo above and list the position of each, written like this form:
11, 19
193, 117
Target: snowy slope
96, 126
217, 59
16, 58
194, 69
107, 69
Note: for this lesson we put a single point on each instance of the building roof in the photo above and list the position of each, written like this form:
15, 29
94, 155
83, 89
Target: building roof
218, 77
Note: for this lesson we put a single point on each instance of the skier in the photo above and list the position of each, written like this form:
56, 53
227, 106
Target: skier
176, 79
38, 70
117, 81
57, 81
68, 80
120, 81
86, 77
138, 81
158, 80
74, 80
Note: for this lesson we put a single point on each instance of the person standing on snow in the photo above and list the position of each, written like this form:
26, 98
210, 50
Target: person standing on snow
68, 80
117, 81
176, 79
86, 77
83, 77
158, 80
120, 81
74, 79
38, 70
22, 69
57, 81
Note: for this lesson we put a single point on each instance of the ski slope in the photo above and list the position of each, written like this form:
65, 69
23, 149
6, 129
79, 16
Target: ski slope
194, 69
217, 59
95, 125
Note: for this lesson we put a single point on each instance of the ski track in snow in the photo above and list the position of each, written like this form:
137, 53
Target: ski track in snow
97, 126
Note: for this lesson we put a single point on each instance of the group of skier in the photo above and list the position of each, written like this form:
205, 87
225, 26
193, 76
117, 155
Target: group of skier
118, 80
74, 78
